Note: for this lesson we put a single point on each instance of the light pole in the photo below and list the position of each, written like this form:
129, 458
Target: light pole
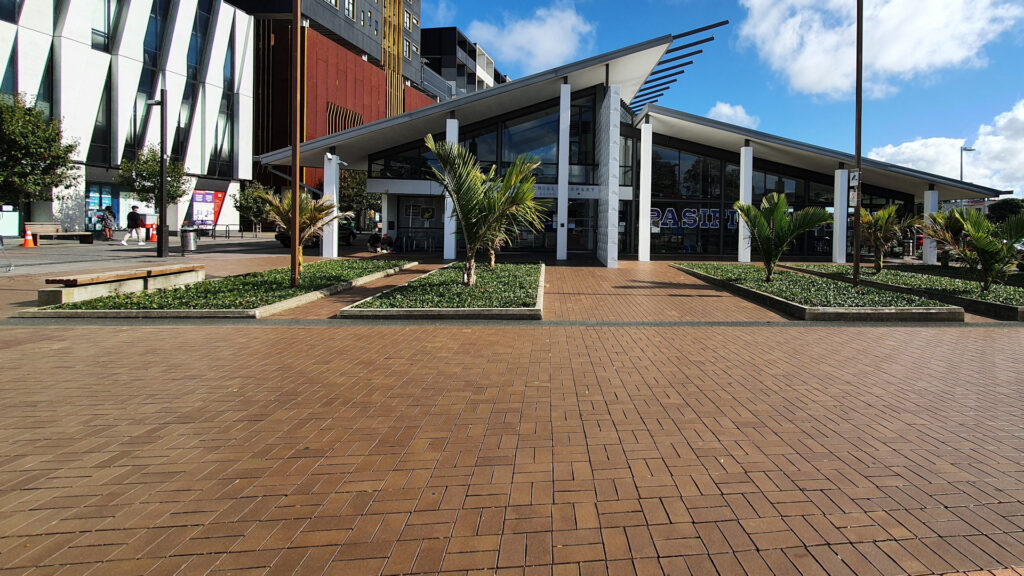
161, 229
962, 150
296, 133
859, 113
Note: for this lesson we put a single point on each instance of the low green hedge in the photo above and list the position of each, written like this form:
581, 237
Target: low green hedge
954, 281
809, 290
507, 286
240, 292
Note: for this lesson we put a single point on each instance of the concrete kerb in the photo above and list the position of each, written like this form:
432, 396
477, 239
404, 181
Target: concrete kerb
985, 308
534, 313
252, 313
824, 314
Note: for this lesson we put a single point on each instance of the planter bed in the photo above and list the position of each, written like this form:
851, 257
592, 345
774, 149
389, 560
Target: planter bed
807, 297
949, 285
509, 292
253, 295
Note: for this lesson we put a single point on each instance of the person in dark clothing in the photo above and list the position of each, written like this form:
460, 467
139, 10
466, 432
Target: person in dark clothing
134, 227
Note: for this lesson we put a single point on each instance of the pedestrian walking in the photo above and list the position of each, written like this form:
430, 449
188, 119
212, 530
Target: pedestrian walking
134, 227
109, 220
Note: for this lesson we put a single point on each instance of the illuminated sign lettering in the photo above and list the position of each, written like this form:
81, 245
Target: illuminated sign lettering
690, 218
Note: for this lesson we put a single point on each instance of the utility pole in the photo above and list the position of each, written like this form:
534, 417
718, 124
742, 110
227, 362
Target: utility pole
296, 132
860, 179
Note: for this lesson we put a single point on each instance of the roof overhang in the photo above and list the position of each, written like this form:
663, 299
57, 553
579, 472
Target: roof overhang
627, 67
773, 148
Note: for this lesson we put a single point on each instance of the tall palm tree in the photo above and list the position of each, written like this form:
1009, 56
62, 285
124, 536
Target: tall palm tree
883, 229
313, 215
488, 208
990, 249
773, 228
513, 203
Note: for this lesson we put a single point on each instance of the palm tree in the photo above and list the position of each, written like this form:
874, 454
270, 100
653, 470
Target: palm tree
947, 228
488, 208
513, 205
313, 215
990, 249
883, 229
773, 228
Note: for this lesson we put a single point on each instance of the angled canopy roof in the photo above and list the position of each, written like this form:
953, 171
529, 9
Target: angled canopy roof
808, 156
626, 67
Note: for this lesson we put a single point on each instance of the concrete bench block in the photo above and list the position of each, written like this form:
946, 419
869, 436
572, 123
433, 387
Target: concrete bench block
175, 280
54, 296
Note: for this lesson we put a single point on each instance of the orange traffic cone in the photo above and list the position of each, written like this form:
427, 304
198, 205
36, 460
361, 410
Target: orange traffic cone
152, 234
29, 242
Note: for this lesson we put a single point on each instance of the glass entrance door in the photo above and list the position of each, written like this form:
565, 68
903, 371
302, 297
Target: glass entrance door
581, 225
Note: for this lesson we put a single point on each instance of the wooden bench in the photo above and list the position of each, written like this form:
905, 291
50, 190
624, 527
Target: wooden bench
94, 285
52, 229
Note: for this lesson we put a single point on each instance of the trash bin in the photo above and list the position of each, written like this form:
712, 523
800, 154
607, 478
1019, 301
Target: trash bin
908, 248
189, 239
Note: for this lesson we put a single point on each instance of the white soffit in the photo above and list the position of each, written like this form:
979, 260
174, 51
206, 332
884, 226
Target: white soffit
773, 148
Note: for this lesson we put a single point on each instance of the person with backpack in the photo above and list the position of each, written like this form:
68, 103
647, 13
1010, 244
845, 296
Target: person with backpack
134, 227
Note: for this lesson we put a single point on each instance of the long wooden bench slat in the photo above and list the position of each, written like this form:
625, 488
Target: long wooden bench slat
117, 275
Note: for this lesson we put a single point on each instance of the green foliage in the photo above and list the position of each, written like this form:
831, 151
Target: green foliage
990, 249
240, 292
810, 290
946, 228
251, 202
953, 281
504, 286
33, 156
488, 207
773, 228
1001, 210
142, 177
884, 229
313, 215
352, 194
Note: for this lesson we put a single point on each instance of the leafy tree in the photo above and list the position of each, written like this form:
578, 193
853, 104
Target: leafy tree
773, 228
352, 194
142, 177
1001, 210
990, 249
34, 158
487, 207
883, 229
251, 202
313, 215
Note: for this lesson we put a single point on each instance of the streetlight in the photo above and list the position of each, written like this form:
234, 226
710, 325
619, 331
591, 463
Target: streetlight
962, 150
161, 230
296, 133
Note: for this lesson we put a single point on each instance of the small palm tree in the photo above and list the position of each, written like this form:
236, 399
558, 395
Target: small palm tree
947, 228
990, 249
884, 229
512, 203
773, 228
313, 215
488, 208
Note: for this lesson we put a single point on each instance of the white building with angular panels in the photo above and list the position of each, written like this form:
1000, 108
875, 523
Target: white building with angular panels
626, 178
95, 63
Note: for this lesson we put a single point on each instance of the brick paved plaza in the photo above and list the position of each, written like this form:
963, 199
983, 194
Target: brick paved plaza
651, 425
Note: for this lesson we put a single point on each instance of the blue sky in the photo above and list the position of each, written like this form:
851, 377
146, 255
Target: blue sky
940, 73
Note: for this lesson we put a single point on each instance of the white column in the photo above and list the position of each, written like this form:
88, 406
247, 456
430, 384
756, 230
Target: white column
329, 241
931, 205
643, 237
561, 233
384, 214
746, 197
451, 135
841, 204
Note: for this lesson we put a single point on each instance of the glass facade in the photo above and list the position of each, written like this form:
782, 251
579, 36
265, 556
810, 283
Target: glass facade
190, 98
223, 153
104, 18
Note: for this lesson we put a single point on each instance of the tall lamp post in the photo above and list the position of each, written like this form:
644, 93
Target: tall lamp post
860, 182
161, 230
962, 150
296, 132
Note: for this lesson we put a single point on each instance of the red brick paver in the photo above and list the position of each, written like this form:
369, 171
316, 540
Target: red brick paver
546, 449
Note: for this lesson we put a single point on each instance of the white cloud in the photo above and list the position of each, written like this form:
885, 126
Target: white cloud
436, 14
733, 115
813, 42
996, 161
551, 36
